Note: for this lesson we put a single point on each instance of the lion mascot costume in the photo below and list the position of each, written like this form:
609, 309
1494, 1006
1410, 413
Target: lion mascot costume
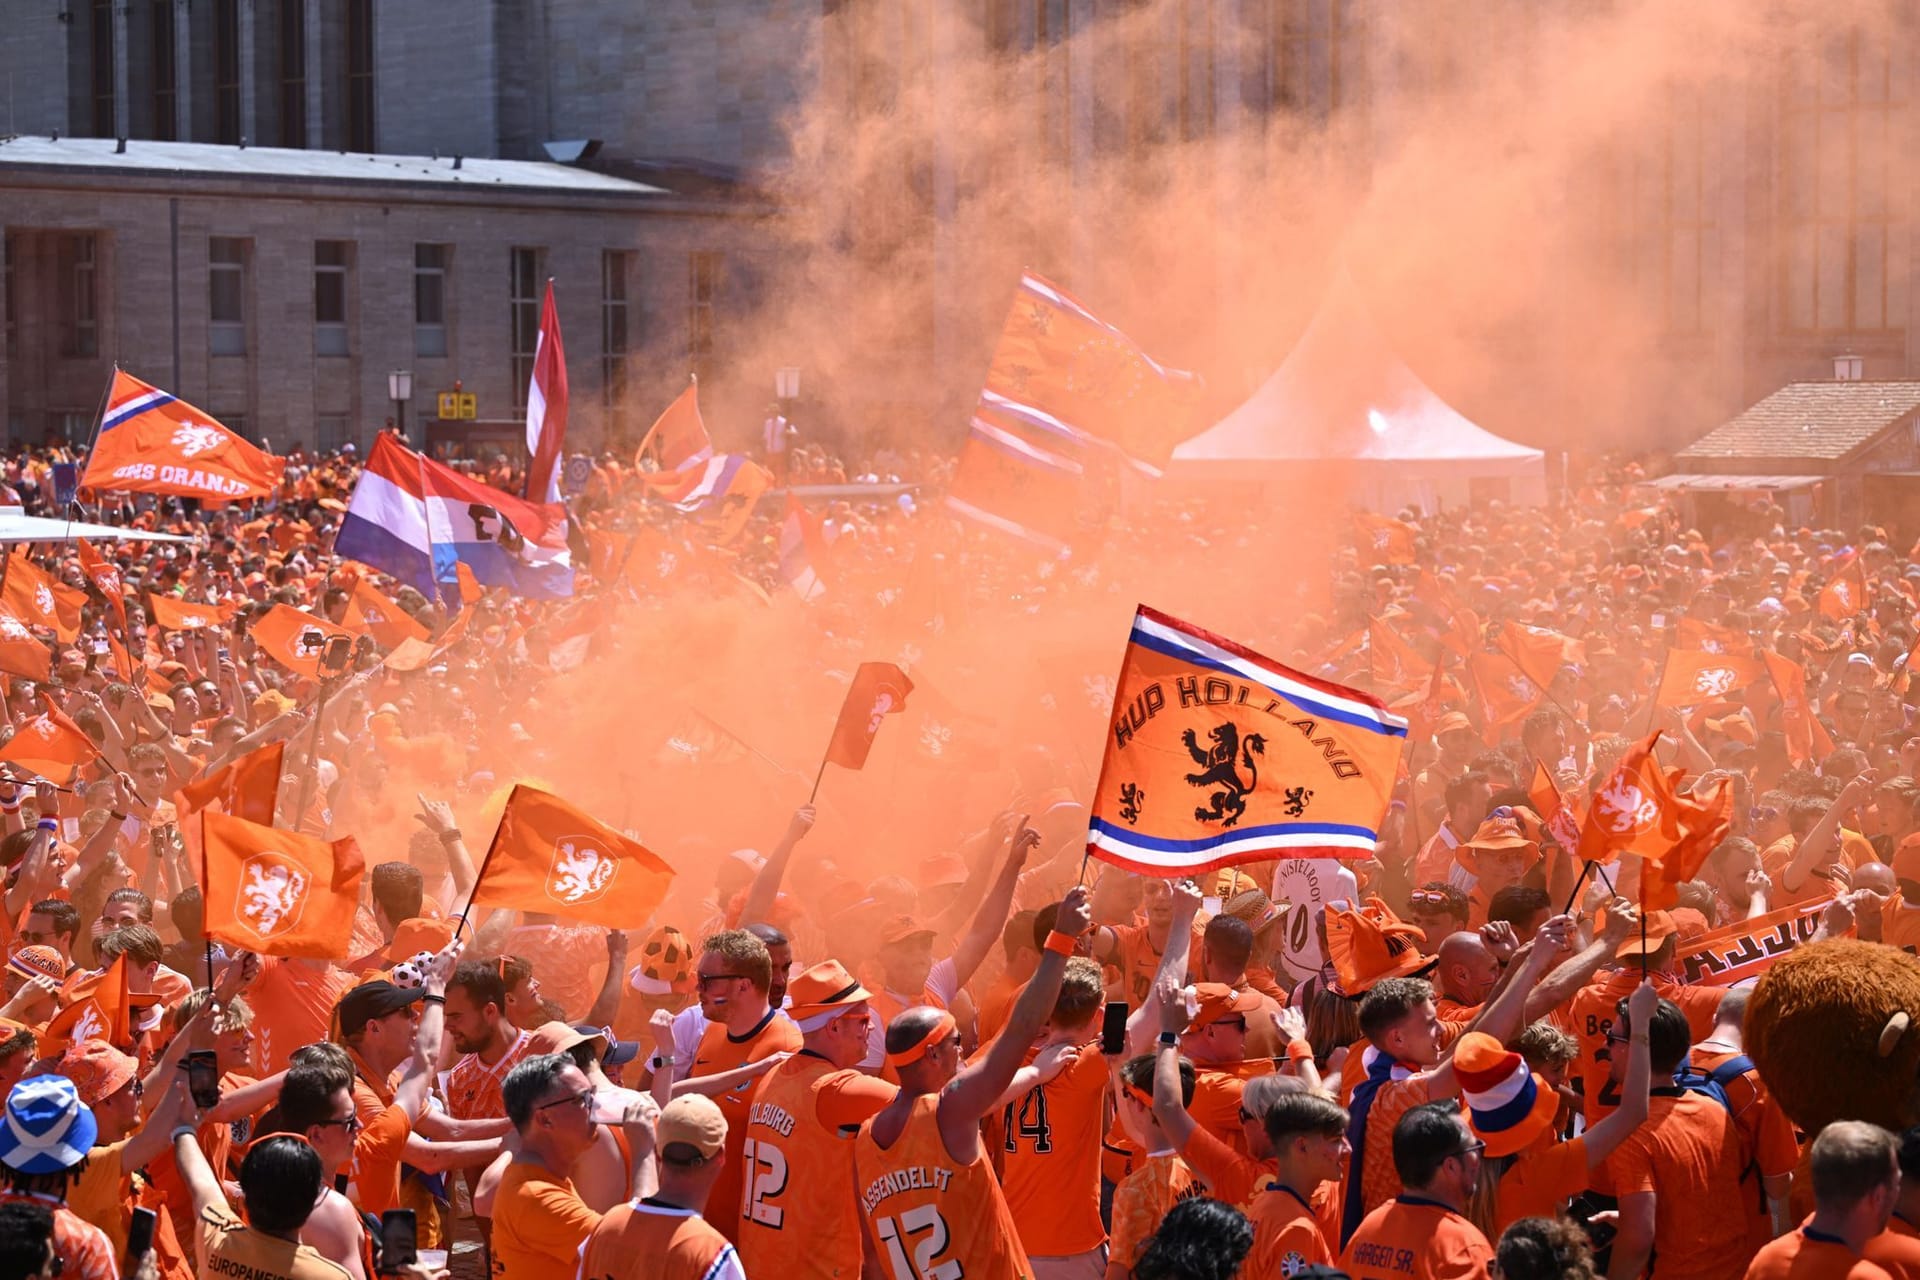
1832, 1028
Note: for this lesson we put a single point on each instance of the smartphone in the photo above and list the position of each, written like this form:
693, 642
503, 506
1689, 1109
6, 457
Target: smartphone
139, 1237
203, 1078
1113, 1028
399, 1244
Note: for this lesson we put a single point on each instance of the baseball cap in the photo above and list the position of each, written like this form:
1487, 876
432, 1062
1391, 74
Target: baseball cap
1660, 926
614, 1052
557, 1037
38, 962
901, 929
48, 1129
692, 1120
1217, 1001
372, 1000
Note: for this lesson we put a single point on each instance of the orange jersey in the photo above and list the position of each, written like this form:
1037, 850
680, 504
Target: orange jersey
1416, 1239
1590, 1016
1143, 1199
1807, 1255
1134, 956
652, 1240
292, 1003
1897, 1249
720, 1052
569, 959
796, 1215
1050, 1160
1233, 1177
1766, 1137
1900, 924
473, 1087
1688, 1154
1540, 1181
1379, 1183
540, 1224
1286, 1235
929, 1216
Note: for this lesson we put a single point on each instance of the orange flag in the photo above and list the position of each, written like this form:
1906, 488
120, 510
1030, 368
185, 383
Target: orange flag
50, 745
295, 639
1704, 637
188, 615
1806, 738
1846, 591
278, 893
1562, 821
33, 594
246, 788
379, 617
878, 689
122, 664
1386, 540
1690, 678
1396, 666
20, 653
1538, 652
1704, 823
678, 437
1505, 691
549, 856
152, 442
471, 592
104, 574
98, 1008
1635, 812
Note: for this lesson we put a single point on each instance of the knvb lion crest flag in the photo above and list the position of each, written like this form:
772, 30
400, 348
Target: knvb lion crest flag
1217, 755
549, 856
278, 893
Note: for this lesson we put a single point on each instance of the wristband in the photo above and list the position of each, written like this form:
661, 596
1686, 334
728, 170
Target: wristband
47, 824
117, 817
187, 1129
450, 836
1169, 1040
1298, 1051
13, 805
1062, 944
434, 999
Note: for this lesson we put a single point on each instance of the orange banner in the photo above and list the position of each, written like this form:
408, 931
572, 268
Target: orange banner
153, 442
551, 857
278, 893
172, 614
1747, 948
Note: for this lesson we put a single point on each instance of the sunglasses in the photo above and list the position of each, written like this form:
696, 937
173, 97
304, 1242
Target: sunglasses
1238, 1024
1428, 897
1762, 813
706, 980
582, 1100
1471, 1149
1614, 1037
348, 1126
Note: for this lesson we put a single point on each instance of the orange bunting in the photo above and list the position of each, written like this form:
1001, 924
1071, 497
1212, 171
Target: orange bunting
278, 893
550, 857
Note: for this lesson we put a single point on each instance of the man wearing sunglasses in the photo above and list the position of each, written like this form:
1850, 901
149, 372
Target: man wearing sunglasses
1421, 1233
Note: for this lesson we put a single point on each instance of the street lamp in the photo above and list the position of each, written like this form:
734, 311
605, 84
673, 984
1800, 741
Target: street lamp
400, 390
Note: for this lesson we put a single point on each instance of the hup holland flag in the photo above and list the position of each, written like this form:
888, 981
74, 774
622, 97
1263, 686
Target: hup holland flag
547, 408
1217, 755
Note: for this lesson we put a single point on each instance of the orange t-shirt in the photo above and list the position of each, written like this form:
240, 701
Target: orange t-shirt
1409, 1237
928, 1214
1897, 1249
1800, 1255
540, 1224
650, 1240
1232, 1177
1900, 924
1286, 1235
1136, 959
1766, 1136
1050, 1160
1143, 1199
996, 1006
719, 1052
796, 1216
1541, 1181
1591, 1014
374, 1183
1688, 1154
569, 959
1379, 1182
473, 1087
292, 1003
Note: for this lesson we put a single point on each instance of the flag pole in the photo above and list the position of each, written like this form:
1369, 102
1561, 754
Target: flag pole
205, 893
814, 794
1586, 867
485, 862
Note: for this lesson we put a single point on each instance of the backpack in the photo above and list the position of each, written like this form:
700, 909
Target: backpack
1713, 1084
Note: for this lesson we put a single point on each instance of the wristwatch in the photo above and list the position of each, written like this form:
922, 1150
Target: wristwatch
658, 1061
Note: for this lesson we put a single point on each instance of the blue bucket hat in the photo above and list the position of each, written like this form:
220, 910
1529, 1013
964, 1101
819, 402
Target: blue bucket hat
48, 1129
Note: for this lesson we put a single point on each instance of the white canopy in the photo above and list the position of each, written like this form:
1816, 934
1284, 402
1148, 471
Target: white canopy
1343, 400
17, 526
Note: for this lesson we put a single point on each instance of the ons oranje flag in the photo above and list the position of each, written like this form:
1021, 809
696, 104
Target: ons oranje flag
99, 1007
171, 614
153, 442
1690, 678
21, 653
104, 574
1635, 812
1704, 823
295, 639
1384, 540
1217, 755
33, 594
879, 690
278, 893
549, 856
370, 611
50, 745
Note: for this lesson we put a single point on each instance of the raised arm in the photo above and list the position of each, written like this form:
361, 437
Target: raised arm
202, 1186
1174, 962
437, 817
411, 1093
991, 918
1501, 1018
766, 882
1577, 970
975, 1090
1605, 1137
607, 1003
1822, 845
1168, 1108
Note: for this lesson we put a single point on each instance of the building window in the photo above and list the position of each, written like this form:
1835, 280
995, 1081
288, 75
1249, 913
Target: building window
1671, 222
703, 286
293, 73
430, 299
226, 296
523, 306
615, 331
330, 297
330, 431
102, 76
226, 71
1837, 116
163, 71
360, 75
77, 257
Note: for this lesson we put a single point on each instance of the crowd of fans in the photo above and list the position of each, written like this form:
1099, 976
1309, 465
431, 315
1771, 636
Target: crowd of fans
992, 1060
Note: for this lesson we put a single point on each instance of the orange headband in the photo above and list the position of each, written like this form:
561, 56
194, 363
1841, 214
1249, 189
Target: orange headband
942, 1028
